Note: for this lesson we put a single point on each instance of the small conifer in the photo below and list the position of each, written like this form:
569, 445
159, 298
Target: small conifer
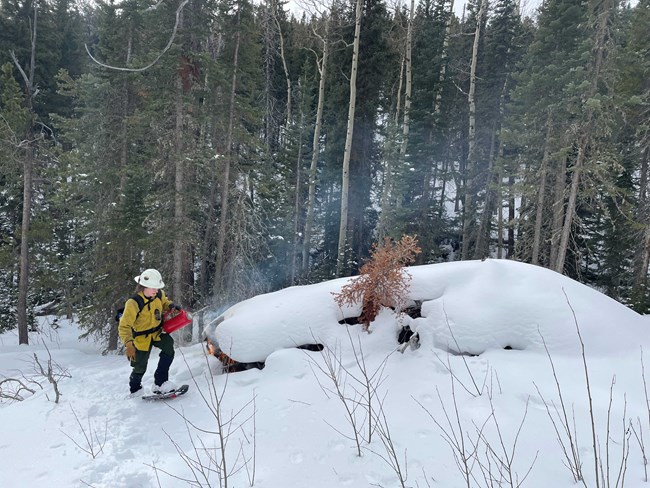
383, 282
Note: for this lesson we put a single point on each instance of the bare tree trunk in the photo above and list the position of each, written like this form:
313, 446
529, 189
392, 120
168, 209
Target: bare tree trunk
28, 168
409, 85
541, 192
315, 151
558, 211
571, 205
178, 290
345, 179
388, 183
269, 52
398, 101
482, 248
284, 62
389, 156
225, 182
500, 226
298, 201
472, 156
28, 173
642, 255
206, 243
443, 64
511, 218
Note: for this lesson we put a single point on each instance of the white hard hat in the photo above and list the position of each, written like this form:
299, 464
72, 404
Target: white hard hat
150, 278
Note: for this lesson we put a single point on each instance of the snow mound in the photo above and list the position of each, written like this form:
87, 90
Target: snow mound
474, 306
466, 307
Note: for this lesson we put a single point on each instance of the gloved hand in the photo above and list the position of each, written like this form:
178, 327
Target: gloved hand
174, 306
130, 351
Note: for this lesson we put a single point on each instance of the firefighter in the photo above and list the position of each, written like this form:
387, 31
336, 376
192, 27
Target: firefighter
140, 328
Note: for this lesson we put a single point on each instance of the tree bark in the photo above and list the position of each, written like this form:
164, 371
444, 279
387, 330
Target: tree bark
472, 156
387, 185
409, 85
315, 151
225, 181
28, 173
28, 168
298, 200
541, 192
284, 63
558, 210
511, 218
443, 58
345, 177
571, 205
642, 255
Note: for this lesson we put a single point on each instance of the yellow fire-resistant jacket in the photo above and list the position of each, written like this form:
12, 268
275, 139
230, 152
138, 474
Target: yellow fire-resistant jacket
149, 318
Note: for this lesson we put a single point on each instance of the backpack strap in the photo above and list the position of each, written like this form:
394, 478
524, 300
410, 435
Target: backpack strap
153, 330
141, 304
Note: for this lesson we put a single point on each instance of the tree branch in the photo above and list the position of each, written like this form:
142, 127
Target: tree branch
169, 44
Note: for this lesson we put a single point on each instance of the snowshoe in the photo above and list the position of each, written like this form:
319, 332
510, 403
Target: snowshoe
181, 390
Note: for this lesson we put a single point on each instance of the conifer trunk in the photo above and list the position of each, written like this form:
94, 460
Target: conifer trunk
558, 210
642, 255
541, 192
178, 292
225, 180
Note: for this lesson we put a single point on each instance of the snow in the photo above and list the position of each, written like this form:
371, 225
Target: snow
468, 306
293, 431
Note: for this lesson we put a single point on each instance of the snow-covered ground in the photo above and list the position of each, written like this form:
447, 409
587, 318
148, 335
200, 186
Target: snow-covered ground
283, 426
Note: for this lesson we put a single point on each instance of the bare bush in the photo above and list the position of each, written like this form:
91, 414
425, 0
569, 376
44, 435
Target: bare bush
482, 462
497, 464
463, 447
52, 371
609, 469
393, 459
475, 388
12, 389
364, 408
91, 443
337, 374
212, 454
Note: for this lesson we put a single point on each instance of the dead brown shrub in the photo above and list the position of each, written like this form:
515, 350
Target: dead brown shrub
383, 281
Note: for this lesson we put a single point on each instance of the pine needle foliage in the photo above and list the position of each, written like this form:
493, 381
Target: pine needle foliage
382, 281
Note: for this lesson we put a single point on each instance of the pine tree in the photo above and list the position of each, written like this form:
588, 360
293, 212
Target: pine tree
539, 121
633, 135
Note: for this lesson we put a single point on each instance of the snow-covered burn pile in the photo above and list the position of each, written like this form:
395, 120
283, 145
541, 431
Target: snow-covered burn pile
468, 307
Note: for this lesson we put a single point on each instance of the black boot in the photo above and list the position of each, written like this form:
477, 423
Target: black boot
162, 371
135, 382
